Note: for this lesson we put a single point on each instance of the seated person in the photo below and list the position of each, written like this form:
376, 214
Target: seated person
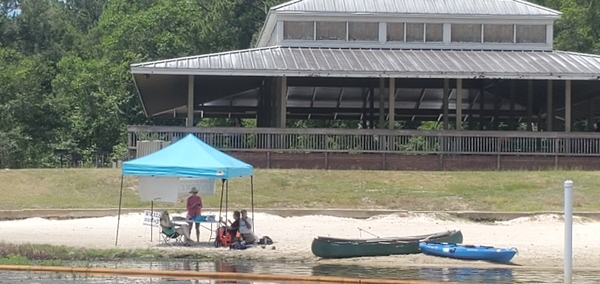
231, 230
169, 228
235, 225
246, 229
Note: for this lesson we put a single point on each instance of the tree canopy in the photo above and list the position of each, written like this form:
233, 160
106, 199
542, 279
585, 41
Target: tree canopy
65, 81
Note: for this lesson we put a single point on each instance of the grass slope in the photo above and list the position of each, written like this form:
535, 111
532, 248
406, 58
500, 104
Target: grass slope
497, 190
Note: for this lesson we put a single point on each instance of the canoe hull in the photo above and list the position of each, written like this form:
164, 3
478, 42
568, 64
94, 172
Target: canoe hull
468, 252
327, 247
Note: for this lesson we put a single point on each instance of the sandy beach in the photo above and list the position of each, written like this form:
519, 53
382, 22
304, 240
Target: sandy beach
539, 239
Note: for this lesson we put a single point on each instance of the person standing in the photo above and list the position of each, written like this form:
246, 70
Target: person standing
194, 209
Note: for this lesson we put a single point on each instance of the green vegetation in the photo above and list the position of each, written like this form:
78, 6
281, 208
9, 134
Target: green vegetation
65, 81
48, 255
439, 191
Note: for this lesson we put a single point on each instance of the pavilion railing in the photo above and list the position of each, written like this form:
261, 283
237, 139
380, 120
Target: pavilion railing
378, 140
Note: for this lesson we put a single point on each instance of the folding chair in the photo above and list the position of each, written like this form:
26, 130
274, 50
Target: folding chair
171, 237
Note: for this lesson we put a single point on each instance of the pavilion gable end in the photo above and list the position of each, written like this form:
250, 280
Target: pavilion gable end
411, 24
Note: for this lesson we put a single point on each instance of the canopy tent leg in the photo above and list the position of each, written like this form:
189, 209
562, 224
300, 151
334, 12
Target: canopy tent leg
119, 214
252, 199
226, 197
221, 203
151, 218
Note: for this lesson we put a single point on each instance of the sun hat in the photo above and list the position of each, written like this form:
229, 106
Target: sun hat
194, 190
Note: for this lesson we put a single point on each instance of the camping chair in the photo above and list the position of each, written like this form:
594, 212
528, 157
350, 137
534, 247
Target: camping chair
170, 236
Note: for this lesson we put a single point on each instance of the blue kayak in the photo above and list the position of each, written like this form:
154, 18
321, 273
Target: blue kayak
470, 252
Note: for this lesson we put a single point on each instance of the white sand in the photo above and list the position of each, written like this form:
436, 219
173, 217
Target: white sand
539, 239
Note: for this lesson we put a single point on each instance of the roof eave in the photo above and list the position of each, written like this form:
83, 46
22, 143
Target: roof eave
437, 16
351, 74
141, 64
552, 11
559, 13
285, 4
137, 90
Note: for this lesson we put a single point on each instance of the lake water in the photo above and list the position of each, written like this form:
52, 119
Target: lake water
441, 274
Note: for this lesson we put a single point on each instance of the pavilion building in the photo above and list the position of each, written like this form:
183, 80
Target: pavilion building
483, 69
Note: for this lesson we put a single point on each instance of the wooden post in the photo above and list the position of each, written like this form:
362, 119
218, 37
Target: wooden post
190, 102
392, 103
458, 104
529, 105
445, 102
549, 108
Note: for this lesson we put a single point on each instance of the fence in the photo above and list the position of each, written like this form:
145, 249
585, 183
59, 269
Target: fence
412, 142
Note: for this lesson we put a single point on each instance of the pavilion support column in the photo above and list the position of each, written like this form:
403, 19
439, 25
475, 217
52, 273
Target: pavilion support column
511, 111
459, 104
481, 106
264, 110
568, 122
470, 117
275, 102
549, 108
381, 103
529, 105
259, 108
496, 117
364, 110
372, 109
591, 126
281, 102
190, 102
392, 103
445, 102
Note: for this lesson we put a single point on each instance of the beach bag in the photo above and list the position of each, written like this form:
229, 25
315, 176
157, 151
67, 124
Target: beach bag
265, 241
239, 246
223, 238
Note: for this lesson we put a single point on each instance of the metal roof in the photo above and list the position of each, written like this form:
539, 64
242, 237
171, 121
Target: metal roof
453, 7
369, 63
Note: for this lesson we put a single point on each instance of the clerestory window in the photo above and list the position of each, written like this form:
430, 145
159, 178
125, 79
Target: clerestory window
299, 30
359, 31
531, 33
434, 32
415, 32
465, 33
395, 32
498, 33
331, 30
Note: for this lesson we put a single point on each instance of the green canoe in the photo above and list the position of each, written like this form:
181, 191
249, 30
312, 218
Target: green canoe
327, 247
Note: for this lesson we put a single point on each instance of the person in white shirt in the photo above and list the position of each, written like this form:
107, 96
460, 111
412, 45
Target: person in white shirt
246, 229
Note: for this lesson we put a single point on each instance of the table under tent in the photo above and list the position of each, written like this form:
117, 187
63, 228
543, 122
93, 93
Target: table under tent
187, 158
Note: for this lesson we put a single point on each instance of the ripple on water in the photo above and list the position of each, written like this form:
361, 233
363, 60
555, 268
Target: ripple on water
452, 274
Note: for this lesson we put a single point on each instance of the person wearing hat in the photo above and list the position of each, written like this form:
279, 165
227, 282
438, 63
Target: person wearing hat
194, 207
169, 228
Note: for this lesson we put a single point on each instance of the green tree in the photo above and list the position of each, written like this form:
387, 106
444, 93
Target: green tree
29, 118
579, 27
97, 100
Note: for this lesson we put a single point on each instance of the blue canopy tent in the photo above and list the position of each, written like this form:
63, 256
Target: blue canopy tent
189, 157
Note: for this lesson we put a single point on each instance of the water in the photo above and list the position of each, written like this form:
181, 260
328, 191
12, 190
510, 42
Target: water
441, 274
